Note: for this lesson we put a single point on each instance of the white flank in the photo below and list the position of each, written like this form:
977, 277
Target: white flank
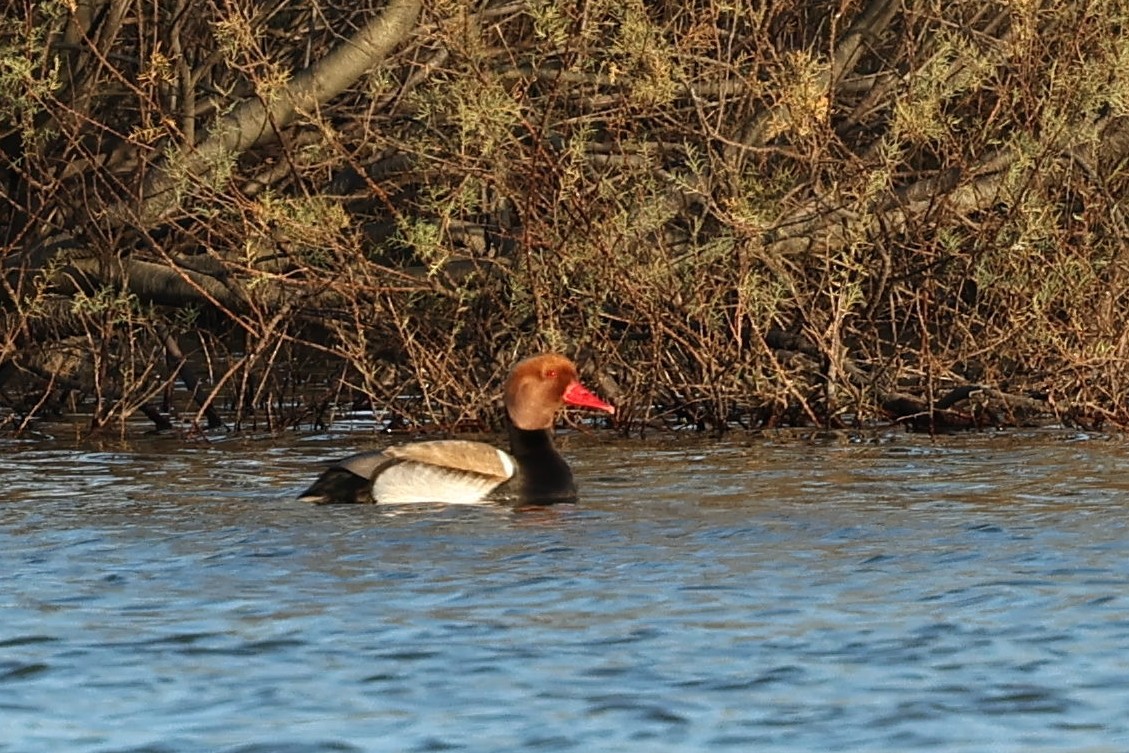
414, 483
507, 463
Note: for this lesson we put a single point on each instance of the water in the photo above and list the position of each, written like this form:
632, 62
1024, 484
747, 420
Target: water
893, 594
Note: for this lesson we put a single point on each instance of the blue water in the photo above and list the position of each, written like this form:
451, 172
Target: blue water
779, 594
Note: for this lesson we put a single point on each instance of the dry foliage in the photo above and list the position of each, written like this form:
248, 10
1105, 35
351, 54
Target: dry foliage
733, 213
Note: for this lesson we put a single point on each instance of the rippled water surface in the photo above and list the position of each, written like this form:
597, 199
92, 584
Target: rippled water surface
891, 594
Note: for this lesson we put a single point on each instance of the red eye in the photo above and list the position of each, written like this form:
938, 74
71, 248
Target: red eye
551, 374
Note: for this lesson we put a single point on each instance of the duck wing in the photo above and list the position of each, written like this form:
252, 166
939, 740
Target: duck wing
453, 471
457, 455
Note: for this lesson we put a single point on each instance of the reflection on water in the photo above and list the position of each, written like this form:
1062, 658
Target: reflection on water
771, 595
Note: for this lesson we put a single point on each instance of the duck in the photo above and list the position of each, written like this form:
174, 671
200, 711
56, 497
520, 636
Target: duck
455, 471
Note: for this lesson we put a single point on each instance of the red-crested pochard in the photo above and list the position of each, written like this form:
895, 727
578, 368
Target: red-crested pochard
461, 472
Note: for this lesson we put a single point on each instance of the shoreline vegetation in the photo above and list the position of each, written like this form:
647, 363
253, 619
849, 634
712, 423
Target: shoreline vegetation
732, 215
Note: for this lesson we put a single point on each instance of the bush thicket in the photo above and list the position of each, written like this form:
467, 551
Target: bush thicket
733, 212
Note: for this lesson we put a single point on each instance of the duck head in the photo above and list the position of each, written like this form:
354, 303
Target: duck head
540, 386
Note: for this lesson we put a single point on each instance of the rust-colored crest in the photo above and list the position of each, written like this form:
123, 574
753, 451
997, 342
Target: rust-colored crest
535, 387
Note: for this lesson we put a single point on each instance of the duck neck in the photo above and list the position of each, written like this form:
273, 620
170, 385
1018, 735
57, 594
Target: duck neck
545, 476
534, 444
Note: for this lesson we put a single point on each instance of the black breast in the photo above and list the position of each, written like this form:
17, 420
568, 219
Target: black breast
543, 477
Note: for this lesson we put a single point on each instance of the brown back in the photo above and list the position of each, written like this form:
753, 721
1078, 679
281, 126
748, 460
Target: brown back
456, 454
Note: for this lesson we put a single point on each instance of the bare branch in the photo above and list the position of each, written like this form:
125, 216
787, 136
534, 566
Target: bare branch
255, 120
